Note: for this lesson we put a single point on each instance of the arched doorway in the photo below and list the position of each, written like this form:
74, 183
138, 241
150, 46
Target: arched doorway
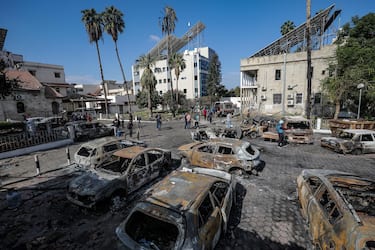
55, 108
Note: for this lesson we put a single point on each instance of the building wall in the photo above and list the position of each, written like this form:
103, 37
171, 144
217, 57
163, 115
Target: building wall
45, 73
34, 102
192, 80
259, 84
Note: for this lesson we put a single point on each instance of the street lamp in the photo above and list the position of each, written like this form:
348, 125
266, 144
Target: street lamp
360, 87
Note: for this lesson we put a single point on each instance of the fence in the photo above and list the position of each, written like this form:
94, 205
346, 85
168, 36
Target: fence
25, 139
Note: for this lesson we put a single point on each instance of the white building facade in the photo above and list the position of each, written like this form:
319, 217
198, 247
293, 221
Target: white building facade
192, 80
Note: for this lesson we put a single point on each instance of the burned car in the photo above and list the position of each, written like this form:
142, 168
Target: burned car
188, 209
216, 132
99, 151
89, 130
339, 208
230, 155
298, 130
135, 167
355, 141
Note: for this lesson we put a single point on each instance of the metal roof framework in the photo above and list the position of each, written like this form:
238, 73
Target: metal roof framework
296, 39
176, 43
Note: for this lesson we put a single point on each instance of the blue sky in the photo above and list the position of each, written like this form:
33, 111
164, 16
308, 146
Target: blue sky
51, 32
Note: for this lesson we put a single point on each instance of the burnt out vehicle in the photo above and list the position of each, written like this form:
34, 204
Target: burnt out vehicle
355, 141
339, 208
298, 130
135, 167
89, 130
216, 132
100, 151
229, 155
188, 209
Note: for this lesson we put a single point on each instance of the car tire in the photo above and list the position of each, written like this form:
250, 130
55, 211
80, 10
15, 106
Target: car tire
357, 151
253, 135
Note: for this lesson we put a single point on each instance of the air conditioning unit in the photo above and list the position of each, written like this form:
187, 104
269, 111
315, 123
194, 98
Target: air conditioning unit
263, 97
18, 97
290, 87
290, 97
264, 88
290, 102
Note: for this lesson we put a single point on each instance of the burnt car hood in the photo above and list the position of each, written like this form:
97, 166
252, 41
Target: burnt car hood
90, 183
334, 139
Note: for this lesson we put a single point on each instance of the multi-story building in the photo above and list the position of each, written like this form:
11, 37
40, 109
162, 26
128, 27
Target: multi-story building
274, 80
192, 80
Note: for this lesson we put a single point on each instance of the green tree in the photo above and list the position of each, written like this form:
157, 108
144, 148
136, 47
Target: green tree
148, 80
94, 28
142, 99
113, 25
214, 89
168, 25
177, 62
7, 86
182, 101
354, 64
287, 27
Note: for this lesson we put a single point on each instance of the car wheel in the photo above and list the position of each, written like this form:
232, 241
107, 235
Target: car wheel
357, 151
253, 135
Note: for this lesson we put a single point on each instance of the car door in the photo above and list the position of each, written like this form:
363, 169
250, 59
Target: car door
203, 155
137, 173
223, 197
154, 161
225, 158
323, 213
368, 142
209, 227
306, 190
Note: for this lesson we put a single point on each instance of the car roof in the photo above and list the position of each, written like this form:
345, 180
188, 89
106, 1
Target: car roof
180, 189
100, 142
232, 141
130, 152
358, 131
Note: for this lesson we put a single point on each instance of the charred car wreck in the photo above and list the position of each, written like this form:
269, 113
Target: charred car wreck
229, 155
339, 208
188, 209
355, 141
135, 167
216, 132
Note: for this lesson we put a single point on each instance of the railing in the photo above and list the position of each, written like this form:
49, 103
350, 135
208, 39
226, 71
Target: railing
25, 139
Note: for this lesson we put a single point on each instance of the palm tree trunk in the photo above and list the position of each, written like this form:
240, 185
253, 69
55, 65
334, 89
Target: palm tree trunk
337, 109
308, 49
102, 76
149, 101
177, 91
170, 75
123, 77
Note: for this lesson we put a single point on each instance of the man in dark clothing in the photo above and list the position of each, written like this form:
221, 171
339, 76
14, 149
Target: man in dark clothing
280, 132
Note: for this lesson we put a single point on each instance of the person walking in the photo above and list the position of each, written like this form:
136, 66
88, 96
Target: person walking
130, 128
280, 132
210, 116
188, 119
158, 121
229, 120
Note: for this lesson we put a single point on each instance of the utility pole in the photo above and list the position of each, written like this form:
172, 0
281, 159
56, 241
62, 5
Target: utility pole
308, 49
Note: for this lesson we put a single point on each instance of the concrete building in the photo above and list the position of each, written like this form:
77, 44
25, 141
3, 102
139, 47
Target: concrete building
193, 79
274, 80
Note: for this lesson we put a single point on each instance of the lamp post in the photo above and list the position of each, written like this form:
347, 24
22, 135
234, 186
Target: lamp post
360, 87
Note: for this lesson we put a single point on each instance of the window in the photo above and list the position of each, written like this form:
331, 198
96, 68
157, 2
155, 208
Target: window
298, 98
329, 206
278, 74
110, 147
169, 80
317, 98
153, 156
367, 137
206, 149
165, 80
314, 183
57, 75
160, 92
57, 90
277, 98
225, 150
219, 190
204, 211
195, 77
185, 91
323, 72
160, 81
20, 107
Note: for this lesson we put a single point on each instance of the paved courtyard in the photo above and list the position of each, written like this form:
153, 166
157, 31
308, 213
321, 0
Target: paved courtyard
266, 214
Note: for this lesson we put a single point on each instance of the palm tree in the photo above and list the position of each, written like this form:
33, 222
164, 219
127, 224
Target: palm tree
113, 25
177, 62
287, 27
94, 27
148, 80
167, 23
